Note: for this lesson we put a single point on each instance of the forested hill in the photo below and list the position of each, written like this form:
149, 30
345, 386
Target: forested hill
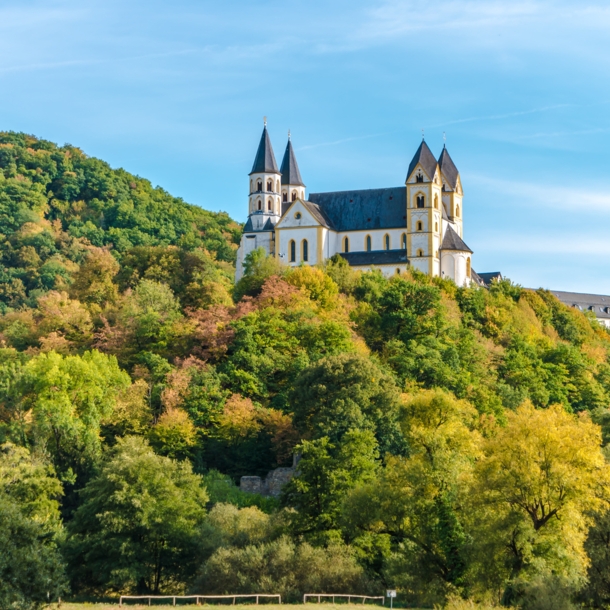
453, 440
56, 203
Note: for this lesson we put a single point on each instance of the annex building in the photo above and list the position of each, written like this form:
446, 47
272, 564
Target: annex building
418, 224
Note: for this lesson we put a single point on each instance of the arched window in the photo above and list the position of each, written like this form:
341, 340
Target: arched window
436, 226
251, 185
397, 271
260, 204
346, 244
468, 267
386, 241
292, 247
421, 201
419, 178
269, 186
367, 242
285, 197
420, 253
305, 249
420, 225
436, 201
269, 205
457, 211
404, 241
277, 186
259, 186
294, 195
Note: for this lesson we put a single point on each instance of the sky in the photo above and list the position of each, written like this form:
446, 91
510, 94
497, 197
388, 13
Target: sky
175, 91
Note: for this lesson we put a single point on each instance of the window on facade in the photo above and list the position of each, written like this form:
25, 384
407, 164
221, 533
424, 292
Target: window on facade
386, 242
436, 226
294, 195
269, 185
298, 215
457, 211
259, 186
260, 204
436, 201
421, 202
404, 241
368, 243
269, 205
420, 226
346, 245
468, 267
420, 253
285, 197
305, 247
397, 271
292, 247
277, 186
419, 178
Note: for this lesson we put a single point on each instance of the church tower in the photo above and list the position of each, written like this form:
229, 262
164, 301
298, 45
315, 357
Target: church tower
292, 183
452, 190
424, 211
265, 187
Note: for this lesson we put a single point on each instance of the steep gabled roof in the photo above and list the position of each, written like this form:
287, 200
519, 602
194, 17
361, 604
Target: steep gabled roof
318, 213
367, 209
450, 171
452, 241
424, 157
264, 162
290, 169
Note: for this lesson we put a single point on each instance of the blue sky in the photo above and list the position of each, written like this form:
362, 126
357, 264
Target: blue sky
175, 91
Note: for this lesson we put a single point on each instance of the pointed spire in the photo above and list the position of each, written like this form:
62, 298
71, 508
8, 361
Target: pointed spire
450, 171
424, 157
264, 161
290, 169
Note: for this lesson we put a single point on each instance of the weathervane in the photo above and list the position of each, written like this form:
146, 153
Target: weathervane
422, 134
289, 134
444, 139
265, 121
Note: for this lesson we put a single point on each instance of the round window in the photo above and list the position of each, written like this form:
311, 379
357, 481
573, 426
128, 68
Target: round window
298, 215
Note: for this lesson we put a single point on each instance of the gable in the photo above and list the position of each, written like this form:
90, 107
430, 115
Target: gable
298, 214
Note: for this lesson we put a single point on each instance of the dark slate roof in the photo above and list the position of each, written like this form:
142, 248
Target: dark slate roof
375, 257
361, 210
597, 303
448, 168
490, 276
264, 161
426, 158
452, 241
249, 228
476, 278
290, 169
319, 214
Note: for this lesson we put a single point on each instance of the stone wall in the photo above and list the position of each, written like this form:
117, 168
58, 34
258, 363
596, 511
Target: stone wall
272, 484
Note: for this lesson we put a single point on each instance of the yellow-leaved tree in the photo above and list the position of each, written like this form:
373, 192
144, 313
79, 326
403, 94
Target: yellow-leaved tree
540, 479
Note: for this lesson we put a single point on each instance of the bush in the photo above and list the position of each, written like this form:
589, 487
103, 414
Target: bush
281, 567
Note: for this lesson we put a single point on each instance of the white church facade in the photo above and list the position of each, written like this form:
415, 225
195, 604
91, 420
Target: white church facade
417, 225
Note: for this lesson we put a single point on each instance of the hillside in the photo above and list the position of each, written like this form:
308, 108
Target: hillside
56, 203
452, 440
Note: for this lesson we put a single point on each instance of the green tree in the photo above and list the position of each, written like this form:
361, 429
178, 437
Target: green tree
138, 526
258, 267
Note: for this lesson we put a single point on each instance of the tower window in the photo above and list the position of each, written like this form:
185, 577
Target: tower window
259, 186
269, 205
285, 197
386, 241
421, 202
436, 201
260, 204
305, 248
419, 178
293, 251
457, 211
420, 225
294, 195
277, 186
269, 186
436, 226
420, 253
368, 243
404, 241
346, 244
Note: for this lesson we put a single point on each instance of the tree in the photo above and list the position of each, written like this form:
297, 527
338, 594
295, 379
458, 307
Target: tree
347, 392
539, 480
138, 525
258, 267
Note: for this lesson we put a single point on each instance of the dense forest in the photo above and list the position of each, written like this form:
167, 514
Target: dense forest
452, 441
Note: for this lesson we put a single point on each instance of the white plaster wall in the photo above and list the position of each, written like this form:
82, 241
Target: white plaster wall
419, 241
288, 189
420, 263
387, 270
298, 234
357, 239
419, 215
454, 266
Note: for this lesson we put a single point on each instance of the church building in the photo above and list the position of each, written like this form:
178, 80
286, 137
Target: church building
416, 225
